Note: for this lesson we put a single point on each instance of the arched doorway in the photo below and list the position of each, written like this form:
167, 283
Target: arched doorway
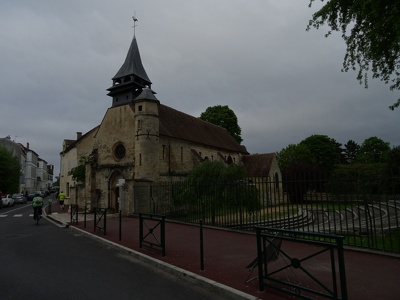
114, 191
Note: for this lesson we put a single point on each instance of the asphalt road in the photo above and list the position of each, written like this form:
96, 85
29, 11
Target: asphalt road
52, 262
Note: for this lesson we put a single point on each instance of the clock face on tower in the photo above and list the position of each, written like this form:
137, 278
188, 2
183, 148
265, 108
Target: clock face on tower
119, 151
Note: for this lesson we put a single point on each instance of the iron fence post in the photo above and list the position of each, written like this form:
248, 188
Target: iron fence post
84, 218
260, 261
94, 220
201, 247
77, 214
120, 225
105, 221
140, 230
342, 271
163, 235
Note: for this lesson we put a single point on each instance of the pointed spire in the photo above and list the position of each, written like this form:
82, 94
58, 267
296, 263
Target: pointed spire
133, 64
130, 79
146, 94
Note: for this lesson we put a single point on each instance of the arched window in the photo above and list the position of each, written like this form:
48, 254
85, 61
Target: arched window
276, 178
119, 151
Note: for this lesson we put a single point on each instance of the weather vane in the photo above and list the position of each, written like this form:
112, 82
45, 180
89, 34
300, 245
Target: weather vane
134, 24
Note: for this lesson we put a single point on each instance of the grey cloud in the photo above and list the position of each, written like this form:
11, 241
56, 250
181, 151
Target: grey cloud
58, 57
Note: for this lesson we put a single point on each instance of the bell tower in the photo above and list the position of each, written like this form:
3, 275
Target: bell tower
147, 125
131, 77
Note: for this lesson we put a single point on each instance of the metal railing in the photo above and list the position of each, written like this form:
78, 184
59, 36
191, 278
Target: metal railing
100, 219
366, 217
152, 231
295, 273
74, 213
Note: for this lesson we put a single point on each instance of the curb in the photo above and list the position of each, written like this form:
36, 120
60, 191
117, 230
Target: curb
211, 285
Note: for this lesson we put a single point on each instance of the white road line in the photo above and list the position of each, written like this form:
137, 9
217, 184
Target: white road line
18, 216
3, 216
19, 208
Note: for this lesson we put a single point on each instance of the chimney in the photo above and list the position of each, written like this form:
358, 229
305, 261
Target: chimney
27, 145
78, 135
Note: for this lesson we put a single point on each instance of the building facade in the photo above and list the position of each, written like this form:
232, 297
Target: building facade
35, 173
139, 142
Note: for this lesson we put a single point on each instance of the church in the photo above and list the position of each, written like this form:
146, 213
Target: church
141, 142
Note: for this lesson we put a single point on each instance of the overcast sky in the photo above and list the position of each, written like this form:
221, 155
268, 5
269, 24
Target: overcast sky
284, 84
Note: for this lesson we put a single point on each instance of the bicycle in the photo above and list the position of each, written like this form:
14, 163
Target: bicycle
37, 214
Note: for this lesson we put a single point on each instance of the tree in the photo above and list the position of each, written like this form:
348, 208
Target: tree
393, 170
57, 182
324, 150
373, 150
307, 165
214, 186
340, 152
225, 117
295, 154
298, 167
9, 172
358, 178
393, 161
371, 31
351, 149
79, 172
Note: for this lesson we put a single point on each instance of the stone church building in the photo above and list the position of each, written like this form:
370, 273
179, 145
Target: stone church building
140, 142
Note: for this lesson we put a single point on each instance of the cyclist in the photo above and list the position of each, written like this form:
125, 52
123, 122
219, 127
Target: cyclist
37, 204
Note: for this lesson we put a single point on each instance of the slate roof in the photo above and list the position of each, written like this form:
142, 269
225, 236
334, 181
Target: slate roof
133, 64
176, 124
258, 165
70, 144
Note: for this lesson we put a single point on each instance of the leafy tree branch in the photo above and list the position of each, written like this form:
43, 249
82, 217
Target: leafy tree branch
371, 31
79, 172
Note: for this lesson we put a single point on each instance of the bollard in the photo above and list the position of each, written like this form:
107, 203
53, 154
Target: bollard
95, 219
49, 209
201, 247
120, 225
84, 218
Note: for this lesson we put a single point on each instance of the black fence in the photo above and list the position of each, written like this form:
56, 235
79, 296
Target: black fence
74, 212
152, 232
100, 219
294, 273
365, 211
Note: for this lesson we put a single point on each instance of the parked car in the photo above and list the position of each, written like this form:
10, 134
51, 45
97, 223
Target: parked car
41, 193
54, 189
19, 198
7, 200
30, 196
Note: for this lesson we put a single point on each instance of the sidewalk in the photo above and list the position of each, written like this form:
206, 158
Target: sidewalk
226, 253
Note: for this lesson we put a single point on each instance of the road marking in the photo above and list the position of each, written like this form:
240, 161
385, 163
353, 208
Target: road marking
19, 208
16, 216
